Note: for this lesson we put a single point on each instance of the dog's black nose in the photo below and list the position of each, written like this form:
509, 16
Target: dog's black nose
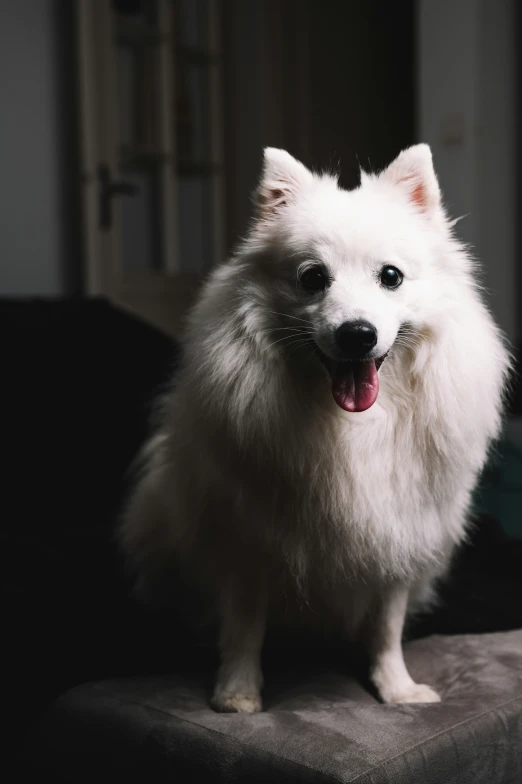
355, 339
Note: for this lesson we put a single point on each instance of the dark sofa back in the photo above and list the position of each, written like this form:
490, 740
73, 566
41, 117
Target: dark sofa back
78, 382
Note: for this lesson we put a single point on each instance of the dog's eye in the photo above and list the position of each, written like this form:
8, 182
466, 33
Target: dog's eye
314, 278
391, 277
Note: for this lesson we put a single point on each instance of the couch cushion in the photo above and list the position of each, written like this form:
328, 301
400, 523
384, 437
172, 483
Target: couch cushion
320, 727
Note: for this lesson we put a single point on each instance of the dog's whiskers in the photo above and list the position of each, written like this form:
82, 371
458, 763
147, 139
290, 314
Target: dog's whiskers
304, 330
407, 343
286, 337
287, 315
303, 342
294, 332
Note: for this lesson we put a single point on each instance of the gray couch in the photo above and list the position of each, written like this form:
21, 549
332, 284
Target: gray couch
320, 728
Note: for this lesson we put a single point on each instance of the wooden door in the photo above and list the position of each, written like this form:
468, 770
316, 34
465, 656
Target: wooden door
152, 160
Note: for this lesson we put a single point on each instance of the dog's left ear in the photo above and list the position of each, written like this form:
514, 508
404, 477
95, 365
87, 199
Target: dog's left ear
413, 170
282, 178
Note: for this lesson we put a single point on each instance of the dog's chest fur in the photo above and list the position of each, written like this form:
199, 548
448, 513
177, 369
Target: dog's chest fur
374, 495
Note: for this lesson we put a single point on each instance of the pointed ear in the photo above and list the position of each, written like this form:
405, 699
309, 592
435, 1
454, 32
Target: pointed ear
413, 170
282, 179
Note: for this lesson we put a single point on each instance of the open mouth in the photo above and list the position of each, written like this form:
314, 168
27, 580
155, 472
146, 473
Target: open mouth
355, 383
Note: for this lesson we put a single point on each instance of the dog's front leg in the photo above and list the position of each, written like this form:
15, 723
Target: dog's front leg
384, 640
243, 619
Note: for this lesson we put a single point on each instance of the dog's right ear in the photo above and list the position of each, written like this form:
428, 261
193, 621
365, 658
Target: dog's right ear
282, 179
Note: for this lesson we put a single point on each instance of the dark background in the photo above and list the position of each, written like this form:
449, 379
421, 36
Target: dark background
340, 84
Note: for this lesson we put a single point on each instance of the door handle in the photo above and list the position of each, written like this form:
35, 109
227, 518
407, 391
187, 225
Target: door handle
108, 189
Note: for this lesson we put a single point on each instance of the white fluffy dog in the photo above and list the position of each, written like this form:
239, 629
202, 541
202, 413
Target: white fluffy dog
341, 384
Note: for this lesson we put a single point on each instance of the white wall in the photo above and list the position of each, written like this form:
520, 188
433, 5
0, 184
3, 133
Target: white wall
467, 105
30, 209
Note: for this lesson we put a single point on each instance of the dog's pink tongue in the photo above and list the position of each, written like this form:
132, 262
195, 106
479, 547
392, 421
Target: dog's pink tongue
356, 388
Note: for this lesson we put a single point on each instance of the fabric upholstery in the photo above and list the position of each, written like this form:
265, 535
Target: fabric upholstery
321, 727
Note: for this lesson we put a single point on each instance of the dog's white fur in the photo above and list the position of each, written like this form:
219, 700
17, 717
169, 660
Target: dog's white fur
261, 484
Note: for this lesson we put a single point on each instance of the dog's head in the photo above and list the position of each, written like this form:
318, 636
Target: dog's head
351, 273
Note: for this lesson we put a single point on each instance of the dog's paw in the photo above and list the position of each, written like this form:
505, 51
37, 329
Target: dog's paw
415, 692
228, 702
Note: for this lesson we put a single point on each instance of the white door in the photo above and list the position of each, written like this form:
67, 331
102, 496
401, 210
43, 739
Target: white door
152, 153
